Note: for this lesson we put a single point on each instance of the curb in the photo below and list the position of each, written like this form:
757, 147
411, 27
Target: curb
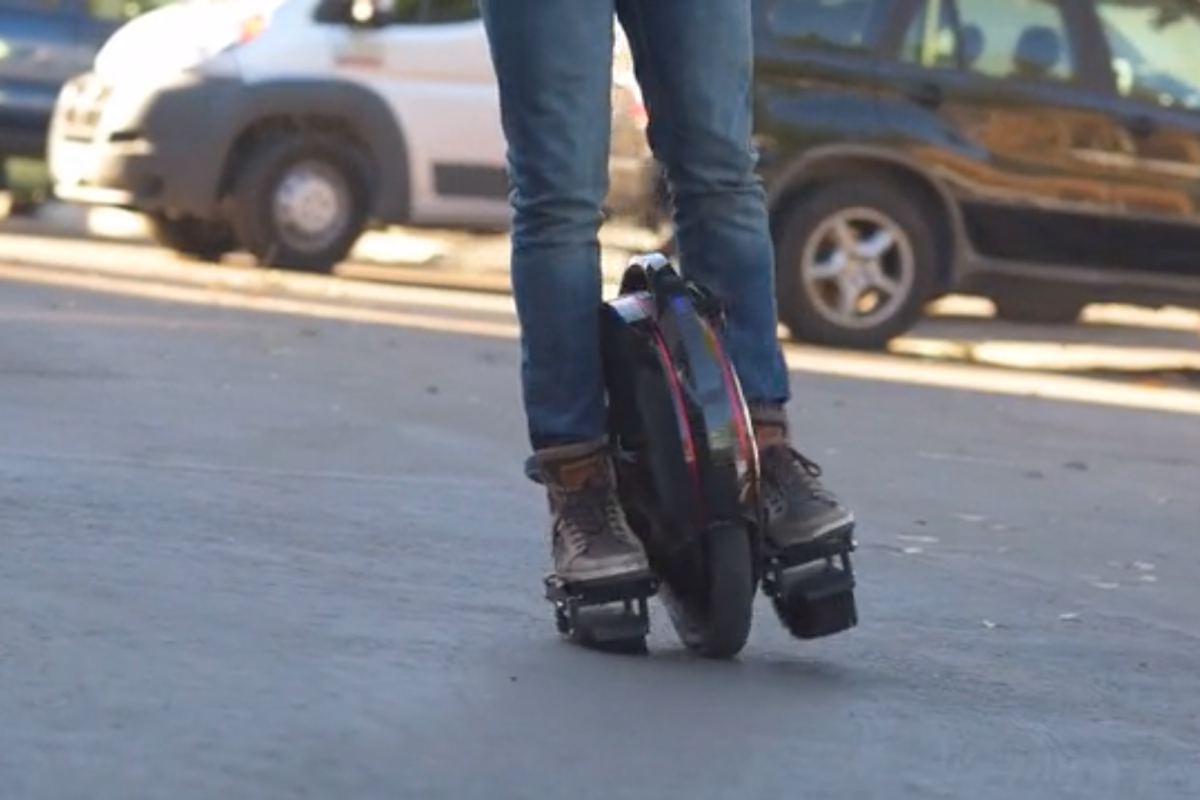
440, 259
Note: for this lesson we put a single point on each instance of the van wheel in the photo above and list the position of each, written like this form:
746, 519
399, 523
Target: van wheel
300, 202
1035, 307
193, 237
856, 264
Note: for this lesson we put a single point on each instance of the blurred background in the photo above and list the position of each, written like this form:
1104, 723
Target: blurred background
926, 161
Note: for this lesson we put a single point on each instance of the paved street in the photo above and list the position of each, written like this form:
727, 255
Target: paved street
267, 538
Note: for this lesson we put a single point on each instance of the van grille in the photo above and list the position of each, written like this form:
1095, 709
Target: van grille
83, 103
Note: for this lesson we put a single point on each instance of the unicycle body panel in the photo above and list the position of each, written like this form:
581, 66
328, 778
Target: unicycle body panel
666, 370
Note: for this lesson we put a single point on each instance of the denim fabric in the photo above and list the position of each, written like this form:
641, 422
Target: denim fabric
693, 58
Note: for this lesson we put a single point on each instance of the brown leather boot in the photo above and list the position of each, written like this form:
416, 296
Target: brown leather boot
590, 538
799, 508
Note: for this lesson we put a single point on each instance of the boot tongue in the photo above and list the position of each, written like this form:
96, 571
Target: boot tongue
770, 426
578, 475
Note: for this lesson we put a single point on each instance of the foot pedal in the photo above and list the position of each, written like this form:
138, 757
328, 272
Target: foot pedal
611, 615
816, 604
812, 586
830, 546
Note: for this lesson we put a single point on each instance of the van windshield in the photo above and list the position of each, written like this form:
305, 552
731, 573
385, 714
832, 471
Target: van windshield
123, 10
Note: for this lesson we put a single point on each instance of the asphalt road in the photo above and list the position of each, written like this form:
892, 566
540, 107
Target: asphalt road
269, 540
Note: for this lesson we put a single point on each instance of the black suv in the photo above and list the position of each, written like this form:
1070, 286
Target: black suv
1042, 153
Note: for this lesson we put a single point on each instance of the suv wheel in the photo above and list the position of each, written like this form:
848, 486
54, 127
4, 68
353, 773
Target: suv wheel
300, 203
856, 264
191, 236
1035, 307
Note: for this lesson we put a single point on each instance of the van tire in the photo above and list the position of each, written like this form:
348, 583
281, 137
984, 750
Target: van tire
192, 237
801, 227
329, 179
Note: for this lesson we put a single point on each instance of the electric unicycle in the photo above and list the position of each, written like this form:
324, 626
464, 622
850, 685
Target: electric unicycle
687, 476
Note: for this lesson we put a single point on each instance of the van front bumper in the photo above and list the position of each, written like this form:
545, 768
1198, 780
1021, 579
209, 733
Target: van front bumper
150, 148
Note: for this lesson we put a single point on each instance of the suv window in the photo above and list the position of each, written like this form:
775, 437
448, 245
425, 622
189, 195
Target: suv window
1025, 40
839, 24
1153, 51
932, 38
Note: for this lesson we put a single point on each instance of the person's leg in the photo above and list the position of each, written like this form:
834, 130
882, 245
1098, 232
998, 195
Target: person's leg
554, 66
694, 61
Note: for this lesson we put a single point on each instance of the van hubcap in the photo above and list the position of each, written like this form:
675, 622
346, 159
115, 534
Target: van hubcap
311, 206
858, 267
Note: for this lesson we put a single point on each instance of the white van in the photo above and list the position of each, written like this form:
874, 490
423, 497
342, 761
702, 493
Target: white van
286, 127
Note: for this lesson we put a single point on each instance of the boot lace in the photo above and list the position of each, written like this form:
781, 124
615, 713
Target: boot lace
589, 515
787, 471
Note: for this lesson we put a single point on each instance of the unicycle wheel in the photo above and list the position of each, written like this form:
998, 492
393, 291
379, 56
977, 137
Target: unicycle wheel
712, 607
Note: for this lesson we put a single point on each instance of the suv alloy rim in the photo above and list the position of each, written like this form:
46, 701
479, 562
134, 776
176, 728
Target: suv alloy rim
858, 268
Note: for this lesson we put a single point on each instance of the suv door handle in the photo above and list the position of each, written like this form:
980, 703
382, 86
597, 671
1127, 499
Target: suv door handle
925, 93
1140, 125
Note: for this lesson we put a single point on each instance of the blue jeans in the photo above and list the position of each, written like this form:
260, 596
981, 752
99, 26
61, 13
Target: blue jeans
693, 59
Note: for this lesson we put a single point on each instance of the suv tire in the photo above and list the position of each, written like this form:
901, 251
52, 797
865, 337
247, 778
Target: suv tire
192, 237
301, 202
806, 237
1035, 307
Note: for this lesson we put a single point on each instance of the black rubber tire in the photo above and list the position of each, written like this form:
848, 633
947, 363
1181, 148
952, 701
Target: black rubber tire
255, 185
804, 216
716, 624
193, 237
1035, 308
